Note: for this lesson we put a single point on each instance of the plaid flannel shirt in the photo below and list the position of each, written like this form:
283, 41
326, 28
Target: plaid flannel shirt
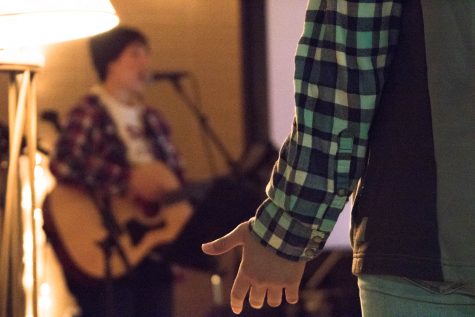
340, 67
89, 152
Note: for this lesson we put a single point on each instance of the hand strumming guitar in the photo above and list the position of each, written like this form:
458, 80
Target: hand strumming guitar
151, 181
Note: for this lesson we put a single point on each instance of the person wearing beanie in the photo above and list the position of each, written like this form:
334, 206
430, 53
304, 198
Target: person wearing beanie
117, 147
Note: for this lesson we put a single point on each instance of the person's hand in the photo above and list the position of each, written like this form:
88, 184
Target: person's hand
261, 272
151, 181
175, 217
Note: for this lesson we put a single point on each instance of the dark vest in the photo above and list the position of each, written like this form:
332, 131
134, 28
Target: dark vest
395, 221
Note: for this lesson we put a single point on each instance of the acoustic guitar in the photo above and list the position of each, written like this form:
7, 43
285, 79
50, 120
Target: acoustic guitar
75, 225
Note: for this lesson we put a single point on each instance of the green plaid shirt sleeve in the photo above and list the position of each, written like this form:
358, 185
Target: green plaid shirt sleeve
340, 66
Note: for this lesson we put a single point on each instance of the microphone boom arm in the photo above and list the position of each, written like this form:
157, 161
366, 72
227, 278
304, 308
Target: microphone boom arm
203, 121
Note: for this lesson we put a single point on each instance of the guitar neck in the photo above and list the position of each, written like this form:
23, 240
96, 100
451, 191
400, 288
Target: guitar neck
174, 197
194, 191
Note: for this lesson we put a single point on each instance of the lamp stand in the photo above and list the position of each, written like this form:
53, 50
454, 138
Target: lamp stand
22, 120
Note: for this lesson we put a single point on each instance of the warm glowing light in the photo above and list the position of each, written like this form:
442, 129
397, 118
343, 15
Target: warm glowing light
31, 56
28, 242
39, 171
37, 214
215, 279
26, 198
28, 281
38, 159
38, 22
216, 289
45, 289
45, 300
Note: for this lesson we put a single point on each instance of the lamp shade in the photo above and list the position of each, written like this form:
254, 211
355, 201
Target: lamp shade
23, 56
38, 22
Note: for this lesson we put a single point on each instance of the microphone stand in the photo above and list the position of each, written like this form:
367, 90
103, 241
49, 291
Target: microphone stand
203, 121
107, 245
111, 241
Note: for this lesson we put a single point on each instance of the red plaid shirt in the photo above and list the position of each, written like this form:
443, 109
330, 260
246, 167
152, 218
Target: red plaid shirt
89, 152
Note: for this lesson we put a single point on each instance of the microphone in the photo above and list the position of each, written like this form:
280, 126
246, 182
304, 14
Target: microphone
172, 76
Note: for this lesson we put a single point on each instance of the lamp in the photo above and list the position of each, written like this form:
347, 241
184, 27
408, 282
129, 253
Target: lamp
38, 22
24, 24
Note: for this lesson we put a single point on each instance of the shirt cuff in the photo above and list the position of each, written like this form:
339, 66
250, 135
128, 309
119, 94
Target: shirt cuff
288, 236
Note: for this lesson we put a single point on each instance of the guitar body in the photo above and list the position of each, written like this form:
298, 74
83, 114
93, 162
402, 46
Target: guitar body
74, 224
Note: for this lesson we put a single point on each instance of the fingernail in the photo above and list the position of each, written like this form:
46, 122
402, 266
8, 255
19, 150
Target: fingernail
236, 310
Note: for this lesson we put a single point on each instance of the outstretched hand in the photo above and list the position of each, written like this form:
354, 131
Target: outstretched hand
261, 272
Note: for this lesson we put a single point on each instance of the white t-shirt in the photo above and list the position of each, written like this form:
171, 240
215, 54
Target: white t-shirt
129, 123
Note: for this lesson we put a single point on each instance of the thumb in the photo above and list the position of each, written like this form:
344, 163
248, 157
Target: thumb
225, 243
